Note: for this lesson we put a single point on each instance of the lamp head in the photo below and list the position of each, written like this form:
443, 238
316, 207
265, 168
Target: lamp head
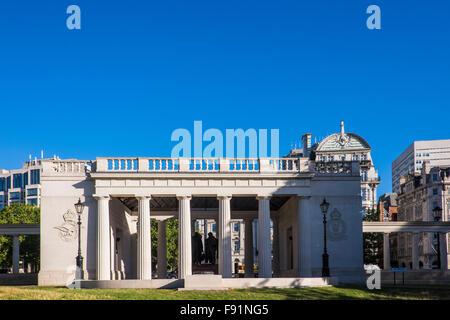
437, 212
79, 207
324, 206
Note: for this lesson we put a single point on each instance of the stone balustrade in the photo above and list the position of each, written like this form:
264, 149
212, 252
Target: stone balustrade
192, 165
350, 168
245, 165
66, 167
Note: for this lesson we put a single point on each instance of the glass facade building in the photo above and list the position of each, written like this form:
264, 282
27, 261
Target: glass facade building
21, 185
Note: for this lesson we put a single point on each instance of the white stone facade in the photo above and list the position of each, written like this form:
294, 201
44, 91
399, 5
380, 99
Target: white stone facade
437, 152
344, 146
281, 193
419, 195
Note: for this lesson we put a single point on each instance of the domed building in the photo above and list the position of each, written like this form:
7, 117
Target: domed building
345, 146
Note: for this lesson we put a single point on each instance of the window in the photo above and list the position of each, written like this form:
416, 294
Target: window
32, 192
330, 158
1, 198
435, 191
343, 158
14, 196
25, 179
214, 227
364, 175
435, 176
355, 157
32, 201
236, 227
17, 180
35, 177
237, 246
364, 156
3, 184
364, 194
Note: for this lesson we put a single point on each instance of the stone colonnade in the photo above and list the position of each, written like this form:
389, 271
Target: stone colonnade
144, 255
415, 251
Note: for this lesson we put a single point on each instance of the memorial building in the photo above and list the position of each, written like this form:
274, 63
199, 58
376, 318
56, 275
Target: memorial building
280, 197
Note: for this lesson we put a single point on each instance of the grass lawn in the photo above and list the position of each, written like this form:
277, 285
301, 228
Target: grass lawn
340, 292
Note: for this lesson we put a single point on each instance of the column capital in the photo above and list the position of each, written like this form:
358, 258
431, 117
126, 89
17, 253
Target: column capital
101, 197
263, 197
182, 197
224, 197
144, 197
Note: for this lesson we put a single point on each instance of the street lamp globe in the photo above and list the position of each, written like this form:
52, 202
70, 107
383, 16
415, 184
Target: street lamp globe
79, 207
324, 206
437, 213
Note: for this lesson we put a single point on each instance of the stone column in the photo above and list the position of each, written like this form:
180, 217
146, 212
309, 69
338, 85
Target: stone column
386, 252
248, 250
276, 247
225, 265
112, 239
304, 236
415, 249
144, 245
16, 254
103, 239
264, 254
162, 250
443, 249
184, 237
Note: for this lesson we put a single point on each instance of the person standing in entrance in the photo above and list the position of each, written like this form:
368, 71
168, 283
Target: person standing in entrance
211, 249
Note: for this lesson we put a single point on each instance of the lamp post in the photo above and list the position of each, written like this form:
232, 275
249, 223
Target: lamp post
325, 269
437, 213
79, 274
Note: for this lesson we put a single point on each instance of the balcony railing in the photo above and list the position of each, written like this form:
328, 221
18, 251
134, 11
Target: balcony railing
246, 165
66, 167
337, 168
199, 165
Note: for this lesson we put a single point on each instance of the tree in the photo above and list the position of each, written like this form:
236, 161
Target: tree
172, 243
373, 241
29, 244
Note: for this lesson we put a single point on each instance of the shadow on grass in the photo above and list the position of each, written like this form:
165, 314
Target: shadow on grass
341, 292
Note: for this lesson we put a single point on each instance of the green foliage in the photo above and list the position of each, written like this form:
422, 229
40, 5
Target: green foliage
20, 213
29, 245
172, 243
372, 215
373, 242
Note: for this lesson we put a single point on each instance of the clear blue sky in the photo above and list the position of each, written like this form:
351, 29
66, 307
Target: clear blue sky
137, 70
